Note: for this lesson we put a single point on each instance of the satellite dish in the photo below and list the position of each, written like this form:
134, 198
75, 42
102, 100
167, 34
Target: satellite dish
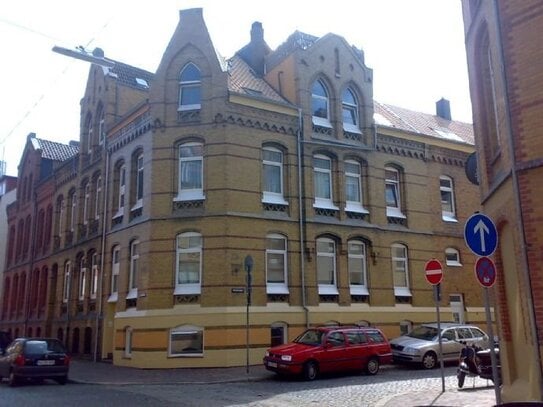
471, 168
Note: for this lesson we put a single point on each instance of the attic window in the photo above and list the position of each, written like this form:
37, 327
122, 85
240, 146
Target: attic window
253, 92
448, 134
142, 82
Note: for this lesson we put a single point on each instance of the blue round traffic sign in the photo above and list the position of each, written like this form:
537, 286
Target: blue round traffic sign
480, 235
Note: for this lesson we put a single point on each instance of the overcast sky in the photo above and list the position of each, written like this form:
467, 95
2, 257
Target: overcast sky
415, 48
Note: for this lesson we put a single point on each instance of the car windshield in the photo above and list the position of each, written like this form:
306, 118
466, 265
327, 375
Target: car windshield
426, 333
310, 337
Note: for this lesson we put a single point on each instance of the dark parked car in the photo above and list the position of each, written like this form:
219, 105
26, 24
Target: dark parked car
35, 358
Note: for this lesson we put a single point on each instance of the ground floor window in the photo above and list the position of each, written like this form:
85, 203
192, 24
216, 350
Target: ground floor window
186, 341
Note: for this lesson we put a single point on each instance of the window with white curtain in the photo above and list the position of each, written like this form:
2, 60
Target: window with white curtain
133, 273
322, 176
94, 275
82, 279
191, 172
139, 181
86, 202
188, 263
400, 271
98, 198
67, 281
272, 174
446, 188
115, 269
357, 267
190, 84
326, 266
353, 187
349, 107
276, 264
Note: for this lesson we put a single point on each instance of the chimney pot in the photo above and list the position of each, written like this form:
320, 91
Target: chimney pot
443, 109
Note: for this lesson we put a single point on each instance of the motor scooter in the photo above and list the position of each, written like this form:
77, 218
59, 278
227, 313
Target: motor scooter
475, 361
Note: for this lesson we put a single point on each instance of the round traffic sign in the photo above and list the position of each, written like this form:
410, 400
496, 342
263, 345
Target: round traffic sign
481, 235
485, 271
433, 271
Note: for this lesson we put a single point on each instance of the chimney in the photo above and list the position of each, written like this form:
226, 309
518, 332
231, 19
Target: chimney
254, 53
257, 32
443, 109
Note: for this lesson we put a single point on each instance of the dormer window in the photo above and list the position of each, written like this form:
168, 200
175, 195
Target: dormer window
190, 84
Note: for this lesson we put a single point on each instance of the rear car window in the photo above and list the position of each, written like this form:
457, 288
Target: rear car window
356, 338
43, 346
463, 333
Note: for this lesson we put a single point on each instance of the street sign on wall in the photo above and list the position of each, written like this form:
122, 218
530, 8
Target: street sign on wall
433, 271
485, 271
480, 235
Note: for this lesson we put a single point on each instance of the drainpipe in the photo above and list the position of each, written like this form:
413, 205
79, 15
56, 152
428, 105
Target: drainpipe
301, 214
31, 266
518, 204
99, 294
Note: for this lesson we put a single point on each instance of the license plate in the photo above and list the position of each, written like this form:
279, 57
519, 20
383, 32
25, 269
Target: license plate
272, 364
45, 362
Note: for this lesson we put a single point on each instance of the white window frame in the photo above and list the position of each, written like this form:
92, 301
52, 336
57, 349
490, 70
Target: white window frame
190, 287
98, 200
315, 97
121, 191
186, 84
350, 205
452, 262
394, 211
351, 108
448, 191
182, 331
61, 216
139, 182
133, 273
271, 196
283, 327
67, 282
277, 287
101, 127
400, 290
360, 258
86, 203
190, 194
73, 211
94, 276
82, 279
90, 131
128, 337
322, 201
115, 269
329, 288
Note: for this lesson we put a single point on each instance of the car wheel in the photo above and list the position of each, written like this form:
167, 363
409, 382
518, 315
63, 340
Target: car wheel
311, 370
372, 367
12, 379
62, 380
461, 378
429, 360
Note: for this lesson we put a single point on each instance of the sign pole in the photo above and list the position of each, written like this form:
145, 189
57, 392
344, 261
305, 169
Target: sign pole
441, 364
493, 359
248, 267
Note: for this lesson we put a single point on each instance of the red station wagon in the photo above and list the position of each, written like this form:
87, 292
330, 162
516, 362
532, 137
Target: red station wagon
330, 349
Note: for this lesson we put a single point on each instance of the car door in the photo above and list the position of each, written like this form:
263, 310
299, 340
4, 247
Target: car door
451, 348
334, 356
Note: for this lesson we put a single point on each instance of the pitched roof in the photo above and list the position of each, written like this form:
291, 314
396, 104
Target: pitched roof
242, 79
55, 151
423, 123
130, 75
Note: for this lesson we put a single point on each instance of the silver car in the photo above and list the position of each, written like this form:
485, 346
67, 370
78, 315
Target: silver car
421, 345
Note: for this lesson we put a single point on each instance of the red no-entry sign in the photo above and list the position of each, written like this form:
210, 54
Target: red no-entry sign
433, 271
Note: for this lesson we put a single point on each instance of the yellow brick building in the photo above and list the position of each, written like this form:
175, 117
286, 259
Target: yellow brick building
278, 155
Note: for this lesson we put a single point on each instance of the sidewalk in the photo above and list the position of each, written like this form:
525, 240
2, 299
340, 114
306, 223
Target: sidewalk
88, 372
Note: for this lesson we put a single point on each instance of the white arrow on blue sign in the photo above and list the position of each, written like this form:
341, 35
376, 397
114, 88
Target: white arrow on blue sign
480, 235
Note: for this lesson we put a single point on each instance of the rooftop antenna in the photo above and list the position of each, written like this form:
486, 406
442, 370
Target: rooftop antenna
96, 57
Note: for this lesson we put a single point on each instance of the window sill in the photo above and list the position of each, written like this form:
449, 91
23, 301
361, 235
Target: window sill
276, 289
355, 207
274, 199
188, 289
395, 213
454, 264
185, 108
359, 290
193, 196
137, 206
132, 294
325, 204
113, 297
351, 128
196, 355
402, 292
118, 214
321, 122
328, 290
449, 218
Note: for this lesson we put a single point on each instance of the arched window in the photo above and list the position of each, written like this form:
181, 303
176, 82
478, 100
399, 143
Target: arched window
191, 172
322, 179
67, 282
101, 124
400, 270
353, 187
350, 111
357, 265
48, 227
190, 84
272, 175
86, 201
133, 272
320, 104
446, 188
98, 198
188, 263
137, 166
94, 275
393, 192
82, 278
115, 269
276, 264
326, 266
120, 186
89, 130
